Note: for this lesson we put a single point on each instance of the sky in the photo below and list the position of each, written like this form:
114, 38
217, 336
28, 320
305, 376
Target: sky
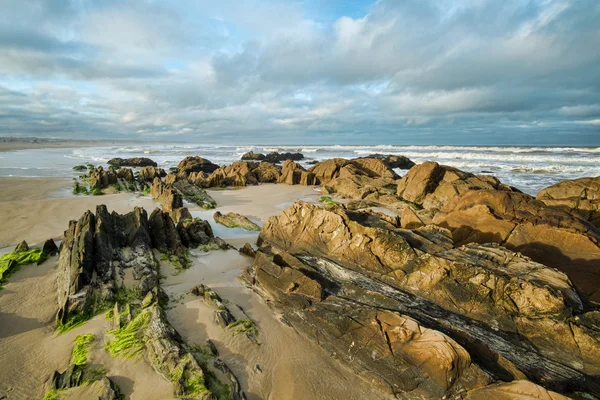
303, 71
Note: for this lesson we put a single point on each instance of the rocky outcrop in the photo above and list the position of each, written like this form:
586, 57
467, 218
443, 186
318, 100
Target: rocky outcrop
195, 164
579, 195
100, 178
431, 185
21, 247
267, 173
235, 220
548, 235
94, 255
295, 174
237, 174
169, 198
147, 174
194, 194
248, 250
132, 162
517, 390
393, 161
92, 259
273, 157
361, 289
49, 248
252, 156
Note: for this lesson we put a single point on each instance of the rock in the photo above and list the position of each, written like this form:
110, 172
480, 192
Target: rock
194, 232
392, 161
410, 219
126, 174
375, 167
252, 156
516, 390
248, 250
147, 174
275, 157
237, 174
548, 235
234, 220
165, 351
169, 198
514, 317
222, 315
21, 247
50, 248
132, 162
267, 172
387, 349
100, 179
194, 194
432, 185
165, 236
98, 248
578, 195
295, 174
195, 164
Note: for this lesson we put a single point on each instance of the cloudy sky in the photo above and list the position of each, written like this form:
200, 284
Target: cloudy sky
303, 71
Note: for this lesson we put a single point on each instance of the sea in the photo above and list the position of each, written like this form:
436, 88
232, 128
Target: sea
526, 168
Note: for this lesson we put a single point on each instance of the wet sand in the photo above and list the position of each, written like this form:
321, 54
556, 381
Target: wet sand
289, 366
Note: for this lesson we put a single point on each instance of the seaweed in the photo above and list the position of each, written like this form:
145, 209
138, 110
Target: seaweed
80, 168
328, 201
79, 189
10, 262
81, 349
244, 326
127, 342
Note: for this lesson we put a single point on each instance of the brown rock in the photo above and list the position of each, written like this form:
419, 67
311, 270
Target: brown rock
148, 174
295, 174
432, 185
169, 198
497, 294
195, 164
579, 195
252, 156
267, 172
516, 390
548, 235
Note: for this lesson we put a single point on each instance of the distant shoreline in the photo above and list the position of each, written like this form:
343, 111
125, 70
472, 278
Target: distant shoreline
12, 144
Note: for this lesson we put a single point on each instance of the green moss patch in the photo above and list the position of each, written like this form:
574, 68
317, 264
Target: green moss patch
10, 262
128, 342
53, 394
244, 326
328, 201
179, 262
80, 168
81, 349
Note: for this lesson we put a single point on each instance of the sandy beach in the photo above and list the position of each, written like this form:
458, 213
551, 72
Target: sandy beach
284, 366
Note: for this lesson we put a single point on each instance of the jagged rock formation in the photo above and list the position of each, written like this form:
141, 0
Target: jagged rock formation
147, 174
194, 194
432, 185
94, 254
361, 289
92, 257
578, 195
393, 161
222, 316
517, 390
295, 174
548, 235
235, 220
195, 164
132, 162
273, 157
169, 198
98, 248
